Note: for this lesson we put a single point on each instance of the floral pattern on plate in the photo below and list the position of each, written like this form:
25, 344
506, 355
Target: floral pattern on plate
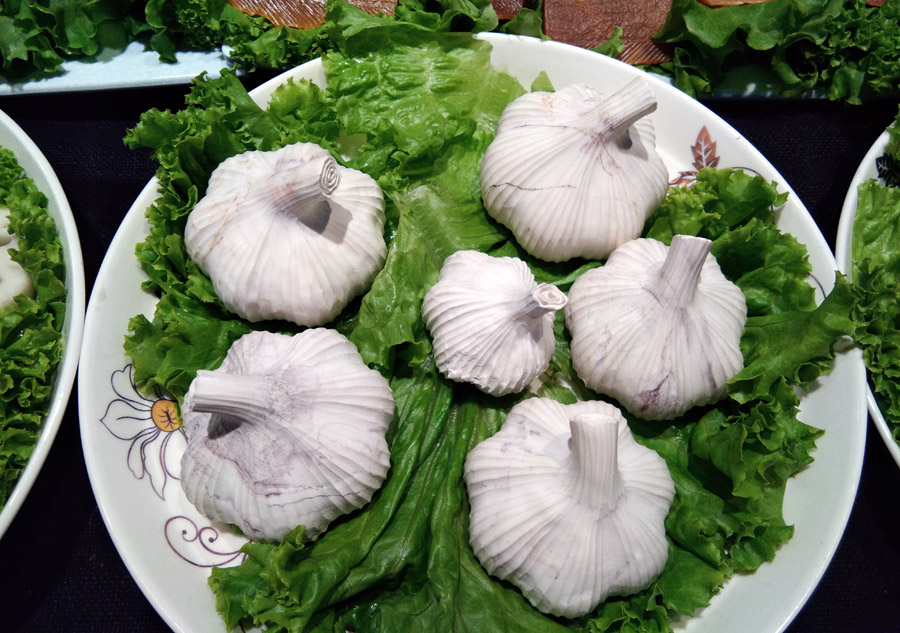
888, 170
156, 442
704, 154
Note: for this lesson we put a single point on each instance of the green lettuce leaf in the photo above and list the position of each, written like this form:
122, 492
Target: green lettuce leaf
254, 42
840, 49
38, 36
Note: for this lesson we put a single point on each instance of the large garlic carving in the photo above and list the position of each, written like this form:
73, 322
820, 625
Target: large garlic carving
492, 324
14, 280
567, 506
288, 234
288, 431
658, 328
573, 174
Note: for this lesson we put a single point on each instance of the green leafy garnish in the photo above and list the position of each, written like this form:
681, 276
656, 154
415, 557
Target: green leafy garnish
839, 49
38, 36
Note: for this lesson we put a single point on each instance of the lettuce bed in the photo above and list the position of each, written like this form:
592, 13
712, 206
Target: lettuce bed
423, 108
30, 329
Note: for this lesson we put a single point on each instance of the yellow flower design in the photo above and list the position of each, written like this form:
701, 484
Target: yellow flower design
151, 426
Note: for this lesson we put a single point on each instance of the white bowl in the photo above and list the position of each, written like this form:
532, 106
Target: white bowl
36, 167
843, 250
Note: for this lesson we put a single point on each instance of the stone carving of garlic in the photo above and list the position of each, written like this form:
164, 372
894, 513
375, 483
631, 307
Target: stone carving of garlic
288, 234
658, 328
567, 506
492, 324
573, 174
289, 431
14, 280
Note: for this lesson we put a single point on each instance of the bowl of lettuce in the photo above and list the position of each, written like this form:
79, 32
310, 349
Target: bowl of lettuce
40, 337
867, 251
415, 110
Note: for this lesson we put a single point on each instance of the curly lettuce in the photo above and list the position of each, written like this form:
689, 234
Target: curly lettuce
30, 329
839, 49
38, 36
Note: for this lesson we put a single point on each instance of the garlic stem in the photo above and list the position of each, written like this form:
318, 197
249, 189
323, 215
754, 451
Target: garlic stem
680, 273
320, 179
545, 298
234, 395
594, 466
623, 109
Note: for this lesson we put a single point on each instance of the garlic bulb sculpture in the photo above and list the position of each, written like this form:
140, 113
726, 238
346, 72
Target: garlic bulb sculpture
492, 324
573, 174
658, 328
567, 506
14, 280
289, 431
288, 234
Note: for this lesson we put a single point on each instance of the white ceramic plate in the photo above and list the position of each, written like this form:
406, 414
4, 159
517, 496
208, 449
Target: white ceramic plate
39, 170
168, 546
134, 66
843, 252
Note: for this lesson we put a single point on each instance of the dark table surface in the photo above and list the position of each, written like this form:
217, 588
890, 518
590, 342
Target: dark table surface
60, 571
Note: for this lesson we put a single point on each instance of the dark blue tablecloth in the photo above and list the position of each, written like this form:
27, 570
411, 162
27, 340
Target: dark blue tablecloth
59, 570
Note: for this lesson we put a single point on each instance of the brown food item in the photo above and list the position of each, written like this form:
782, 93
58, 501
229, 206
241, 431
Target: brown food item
507, 9
589, 23
304, 14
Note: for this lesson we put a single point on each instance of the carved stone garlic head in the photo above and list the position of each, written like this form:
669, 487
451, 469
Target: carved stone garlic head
491, 323
288, 234
289, 431
573, 173
657, 327
14, 280
567, 506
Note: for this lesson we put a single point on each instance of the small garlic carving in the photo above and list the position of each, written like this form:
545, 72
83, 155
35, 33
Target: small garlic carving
567, 506
573, 174
14, 280
658, 328
289, 431
288, 234
492, 324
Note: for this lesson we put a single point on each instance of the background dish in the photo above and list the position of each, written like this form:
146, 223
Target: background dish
143, 532
135, 65
39, 170
843, 250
